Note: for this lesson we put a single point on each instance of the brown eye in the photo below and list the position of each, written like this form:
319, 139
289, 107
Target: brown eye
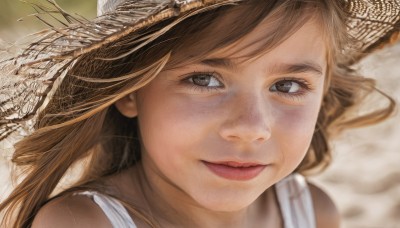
286, 86
205, 80
201, 80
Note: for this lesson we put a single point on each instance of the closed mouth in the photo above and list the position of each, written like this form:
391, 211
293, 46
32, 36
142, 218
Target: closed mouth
237, 164
240, 171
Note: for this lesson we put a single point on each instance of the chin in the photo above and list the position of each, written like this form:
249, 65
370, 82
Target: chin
226, 203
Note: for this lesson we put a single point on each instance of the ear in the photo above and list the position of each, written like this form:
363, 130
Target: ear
127, 105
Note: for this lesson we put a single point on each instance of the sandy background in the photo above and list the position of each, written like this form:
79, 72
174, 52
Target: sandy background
364, 178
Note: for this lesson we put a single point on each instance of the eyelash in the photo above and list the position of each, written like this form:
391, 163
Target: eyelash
304, 84
203, 88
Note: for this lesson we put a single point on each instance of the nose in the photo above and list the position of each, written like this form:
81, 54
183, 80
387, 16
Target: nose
248, 120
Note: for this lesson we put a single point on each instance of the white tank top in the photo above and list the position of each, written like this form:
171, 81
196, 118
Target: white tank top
293, 194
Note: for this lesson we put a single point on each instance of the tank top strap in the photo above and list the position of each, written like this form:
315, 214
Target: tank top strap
295, 202
112, 208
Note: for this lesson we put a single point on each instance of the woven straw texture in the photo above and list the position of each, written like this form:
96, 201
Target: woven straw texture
29, 80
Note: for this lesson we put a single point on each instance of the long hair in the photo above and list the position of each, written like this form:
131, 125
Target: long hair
81, 122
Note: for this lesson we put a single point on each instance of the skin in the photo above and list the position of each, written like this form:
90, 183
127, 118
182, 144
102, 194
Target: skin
242, 115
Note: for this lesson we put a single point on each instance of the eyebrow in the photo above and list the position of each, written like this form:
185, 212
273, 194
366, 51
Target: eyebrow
298, 68
219, 62
282, 68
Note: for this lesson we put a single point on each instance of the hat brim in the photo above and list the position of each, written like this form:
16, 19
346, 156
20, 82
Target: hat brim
44, 64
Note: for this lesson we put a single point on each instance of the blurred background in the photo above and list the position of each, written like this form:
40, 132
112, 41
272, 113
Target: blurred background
15, 22
364, 178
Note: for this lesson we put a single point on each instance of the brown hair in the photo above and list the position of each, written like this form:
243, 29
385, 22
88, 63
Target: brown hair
82, 122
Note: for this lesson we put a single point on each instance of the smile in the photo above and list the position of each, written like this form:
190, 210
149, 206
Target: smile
235, 170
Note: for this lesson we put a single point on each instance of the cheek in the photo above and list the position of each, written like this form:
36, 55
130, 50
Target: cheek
294, 130
299, 121
159, 133
172, 125
174, 118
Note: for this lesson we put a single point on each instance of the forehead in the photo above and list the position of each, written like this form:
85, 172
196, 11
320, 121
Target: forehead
305, 44
229, 36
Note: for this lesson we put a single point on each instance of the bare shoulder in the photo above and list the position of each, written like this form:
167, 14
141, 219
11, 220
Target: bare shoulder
71, 211
327, 214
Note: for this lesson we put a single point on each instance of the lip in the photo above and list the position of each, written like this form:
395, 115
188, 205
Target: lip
235, 170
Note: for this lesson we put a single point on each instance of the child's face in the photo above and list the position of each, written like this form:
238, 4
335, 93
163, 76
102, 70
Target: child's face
262, 113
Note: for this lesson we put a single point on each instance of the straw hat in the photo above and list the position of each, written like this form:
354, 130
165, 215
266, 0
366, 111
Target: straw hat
29, 80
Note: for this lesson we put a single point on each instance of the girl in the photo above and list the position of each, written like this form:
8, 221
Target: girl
188, 113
